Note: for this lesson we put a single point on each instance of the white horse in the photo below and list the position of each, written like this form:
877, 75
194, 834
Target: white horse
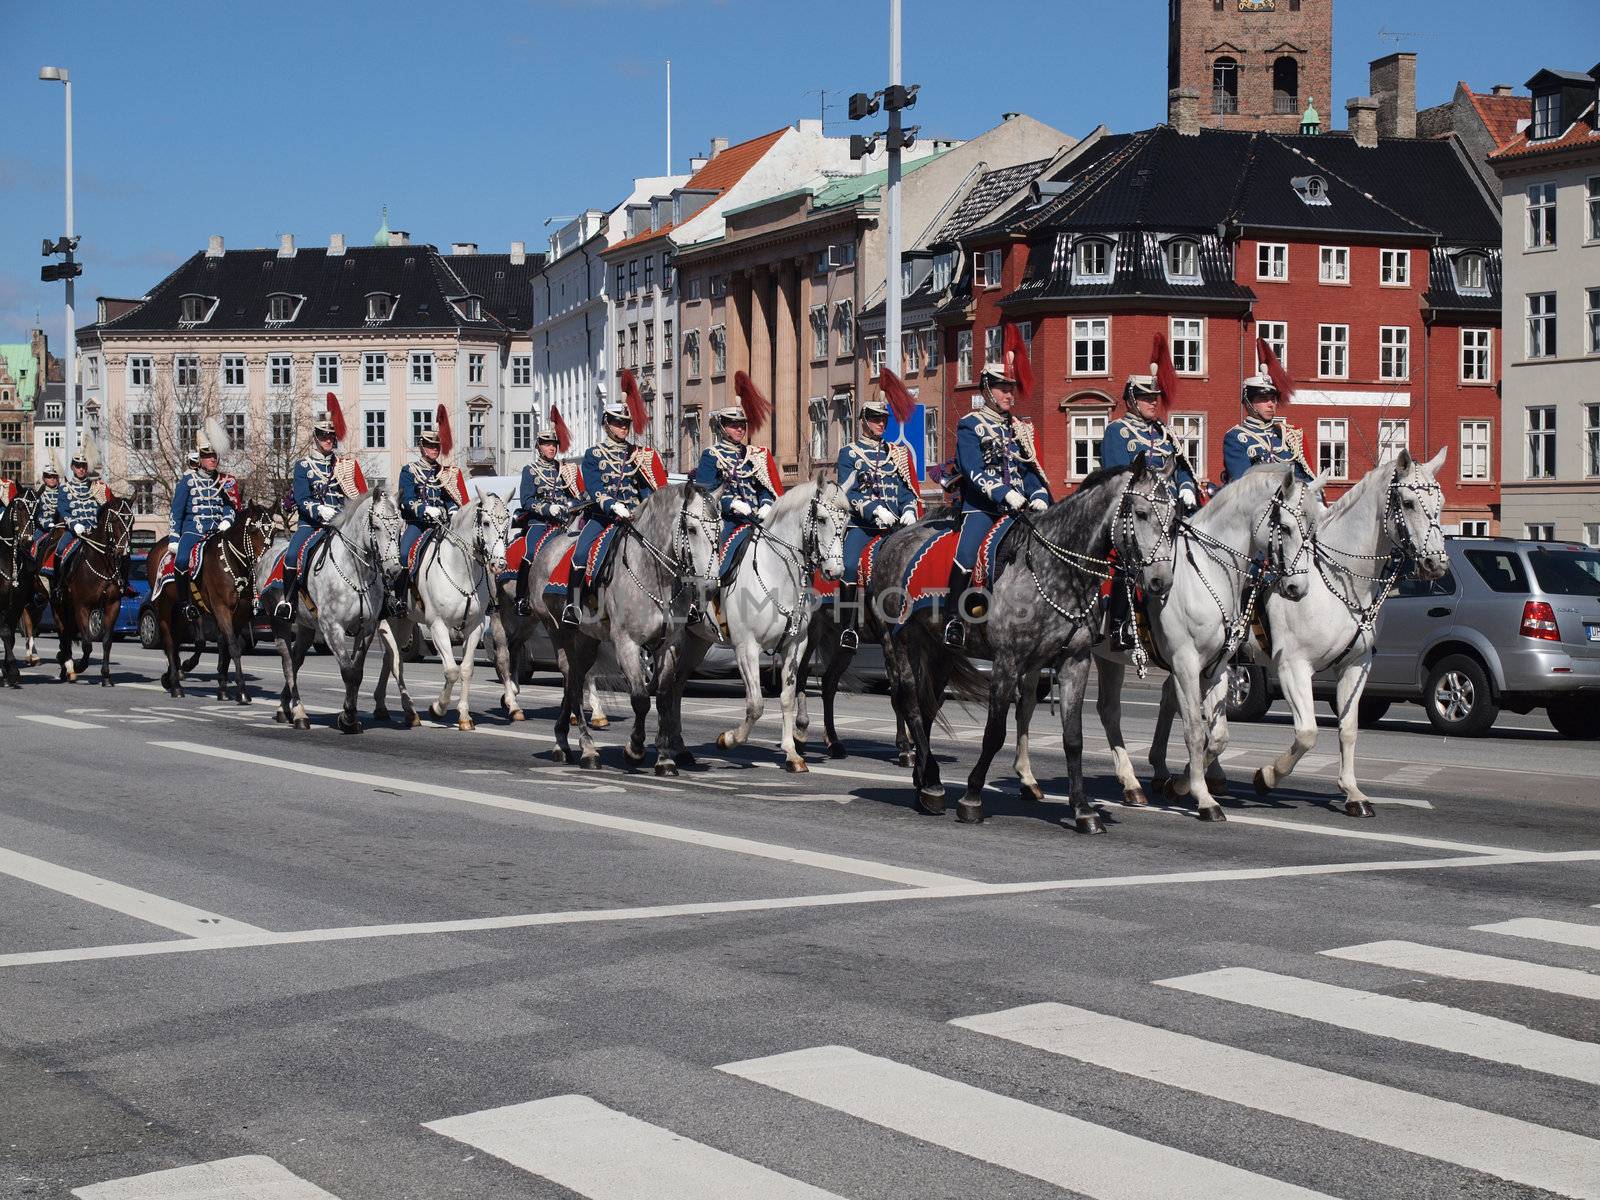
342, 588
767, 604
1362, 546
450, 594
1201, 618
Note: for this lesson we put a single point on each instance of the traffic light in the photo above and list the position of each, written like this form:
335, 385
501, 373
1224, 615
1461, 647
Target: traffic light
862, 106
59, 271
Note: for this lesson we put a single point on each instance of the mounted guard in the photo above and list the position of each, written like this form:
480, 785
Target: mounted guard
747, 475
78, 500
430, 491
324, 482
618, 476
205, 502
549, 494
1258, 439
1141, 430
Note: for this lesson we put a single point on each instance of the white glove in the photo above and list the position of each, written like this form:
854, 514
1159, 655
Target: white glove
739, 508
225, 524
1014, 500
326, 512
1188, 497
883, 518
909, 517
433, 512
622, 512
80, 530
761, 513
1038, 504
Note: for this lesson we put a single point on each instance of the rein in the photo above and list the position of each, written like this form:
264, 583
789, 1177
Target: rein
803, 559
678, 561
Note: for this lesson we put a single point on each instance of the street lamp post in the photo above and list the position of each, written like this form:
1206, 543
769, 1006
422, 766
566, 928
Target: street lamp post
70, 436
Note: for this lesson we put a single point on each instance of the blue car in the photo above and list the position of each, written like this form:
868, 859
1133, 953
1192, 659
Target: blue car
129, 613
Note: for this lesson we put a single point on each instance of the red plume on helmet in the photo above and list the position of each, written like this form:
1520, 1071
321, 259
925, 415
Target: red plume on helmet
901, 402
336, 416
756, 406
442, 426
563, 434
1019, 360
1275, 371
1161, 367
638, 414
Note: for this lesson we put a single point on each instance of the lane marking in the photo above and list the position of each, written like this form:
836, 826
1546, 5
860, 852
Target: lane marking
1038, 1142
1420, 1022
58, 722
157, 910
1478, 968
1564, 933
672, 833
1509, 1149
251, 1176
720, 907
604, 1154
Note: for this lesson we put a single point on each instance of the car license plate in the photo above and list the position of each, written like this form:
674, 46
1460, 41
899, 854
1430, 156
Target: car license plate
1594, 632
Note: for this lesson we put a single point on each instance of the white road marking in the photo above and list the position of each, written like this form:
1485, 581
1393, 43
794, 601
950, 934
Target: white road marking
58, 722
826, 900
1479, 968
1417, 1021
604, 1154
1565, 933
1517, 1151
672, 833
249, 1177
1402, 801
1038, 1142
157, 910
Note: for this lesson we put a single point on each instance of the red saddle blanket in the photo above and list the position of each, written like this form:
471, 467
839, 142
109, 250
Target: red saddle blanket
561, 574
926, 582
830, 587
168, 566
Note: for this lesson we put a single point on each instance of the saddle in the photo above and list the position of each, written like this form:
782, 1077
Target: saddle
167, 570
526, 548
926, 580
315, 545
598, 571
869, 554
419, 548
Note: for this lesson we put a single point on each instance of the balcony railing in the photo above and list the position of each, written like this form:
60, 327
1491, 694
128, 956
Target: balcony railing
1224, 102
1284, 104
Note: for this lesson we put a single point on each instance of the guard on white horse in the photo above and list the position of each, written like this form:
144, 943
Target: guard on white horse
1257, 440
879, 480
548, 495
746, 477
324, 481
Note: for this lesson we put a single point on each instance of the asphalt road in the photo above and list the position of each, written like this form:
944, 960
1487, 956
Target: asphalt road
428, 963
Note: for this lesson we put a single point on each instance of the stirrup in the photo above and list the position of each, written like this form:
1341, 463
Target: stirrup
849, 639
569, 615
283, 610
524, 609
955, 633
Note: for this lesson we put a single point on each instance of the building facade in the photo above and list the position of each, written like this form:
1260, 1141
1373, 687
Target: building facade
1255, 64
23, 367
1550, 432
1486, 122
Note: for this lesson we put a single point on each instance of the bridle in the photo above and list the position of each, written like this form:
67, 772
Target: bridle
21, 512
677, 561
1128, 564
117, 518
803, 560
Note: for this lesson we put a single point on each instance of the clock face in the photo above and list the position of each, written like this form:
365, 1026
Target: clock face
1257, 5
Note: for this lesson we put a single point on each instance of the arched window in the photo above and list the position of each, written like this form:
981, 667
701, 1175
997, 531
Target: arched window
1225, 85
1286, 85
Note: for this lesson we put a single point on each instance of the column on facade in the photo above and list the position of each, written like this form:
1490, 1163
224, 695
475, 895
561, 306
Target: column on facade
802, 372
737, 304
786, 401
762, 303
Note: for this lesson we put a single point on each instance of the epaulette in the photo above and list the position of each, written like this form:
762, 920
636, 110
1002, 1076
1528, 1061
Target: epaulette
900, 455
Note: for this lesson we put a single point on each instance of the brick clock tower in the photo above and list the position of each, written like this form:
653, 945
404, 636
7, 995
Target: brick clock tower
1256, 64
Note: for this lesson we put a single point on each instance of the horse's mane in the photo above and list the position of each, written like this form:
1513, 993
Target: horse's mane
1265, 479
347, 515
795, 497
1099, 477
1380, 475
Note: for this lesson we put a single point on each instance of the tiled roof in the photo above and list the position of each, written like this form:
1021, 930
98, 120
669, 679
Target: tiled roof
716, 177
1136, 272
505, 288
1500, 114
1581, 132
335, 287
1444, 296
991, 188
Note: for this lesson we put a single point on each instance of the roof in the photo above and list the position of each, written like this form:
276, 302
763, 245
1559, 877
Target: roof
1580, 134
1499, 114
716, 177
848, 189
335, 287
1444, 295
991, 188
1137, 272
506, 288
20, 366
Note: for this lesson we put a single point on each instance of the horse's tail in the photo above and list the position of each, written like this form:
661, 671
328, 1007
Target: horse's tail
925, 643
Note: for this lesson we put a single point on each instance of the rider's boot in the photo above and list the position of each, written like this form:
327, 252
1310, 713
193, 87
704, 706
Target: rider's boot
284, 609
849, 640
185, 595
524, 609
1120, 621
398, 595
574, 605
955, 629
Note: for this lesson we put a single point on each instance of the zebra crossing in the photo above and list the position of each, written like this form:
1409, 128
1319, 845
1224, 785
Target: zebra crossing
579, 1143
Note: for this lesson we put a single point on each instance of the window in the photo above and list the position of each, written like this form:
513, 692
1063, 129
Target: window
1189, 435
11, 469
650, 345
1188, 345
1091, 339
281, 430
52, 439
194, 309
944, 264
993, 347
1594, 208
1541, 216
1502, 570
649, 272
471, 308
1476, 356
422, 367
1088, 431
186, 371
139, 370
1546, 115
327, 370
1333, 447
1542, 325
633, 276
818, 411
1394, 268
1474, 451
622, 347
1540, 531
11, 432
1474, 529
633, 346
380, 306
719, 350
875, 353
521, 370
819, 331
374, 369
188, 431
1393, 437
619, 283
1092, 259
935, 350
281, 309
55, 410
280, 370
1312, 189
1276, 335
844, 323
1472, 273
233, 370
668, 275
1286, 86
1541, 433
475, 429
1334, 264
842, 254
1181, 257
522, 431
963, 356
694, 294
421, 423
233, 426
474, 368
144, 497
987, 268
719, 286
1225, 85
1591, 533
910, 353
1394, 352
1272, 261
141, 432
906, 277
691, 354
1591, 321
1333, 351
1591, 441
375, 429
91, 369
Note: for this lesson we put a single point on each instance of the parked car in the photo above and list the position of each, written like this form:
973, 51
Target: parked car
128, 614
1512, 626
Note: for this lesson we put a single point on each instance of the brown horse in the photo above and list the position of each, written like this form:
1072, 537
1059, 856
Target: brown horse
91, 586
227, 600
18, 580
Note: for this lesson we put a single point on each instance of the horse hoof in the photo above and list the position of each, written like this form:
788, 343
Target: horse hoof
350, 727
666, 768
279, 717
930, 800
634, 757
1134, 797
1259, 781
573, 721
796, 766
34, 660
436, 712
686, 758
724, 741
1169, 791
412, 720
1032, 793
589, 762
245, 698
969, 812
380, 714
302, 723
106, 683
1088, 823
836, 750
1220, 787
600, 723
1358, 808
903, 758
466, 726
1212, 812
517, 715
558, 755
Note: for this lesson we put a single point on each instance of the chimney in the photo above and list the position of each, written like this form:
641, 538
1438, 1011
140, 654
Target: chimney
1393, 80
336, 243
1183, 110
810, 128
519, 253
214, 246
286, 245
697, 164
1502, 89
399, 237
1004, 117
1361, 116
463, 247
718, 145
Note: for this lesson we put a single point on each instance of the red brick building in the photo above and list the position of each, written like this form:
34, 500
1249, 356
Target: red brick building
1254, 64
1371, 265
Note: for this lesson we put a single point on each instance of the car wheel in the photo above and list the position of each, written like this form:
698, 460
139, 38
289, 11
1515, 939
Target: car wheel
1457, 697
1247, 692
1370, 712
1573, 718
149, 631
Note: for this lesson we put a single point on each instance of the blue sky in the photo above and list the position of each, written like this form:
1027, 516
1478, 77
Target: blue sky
477, 121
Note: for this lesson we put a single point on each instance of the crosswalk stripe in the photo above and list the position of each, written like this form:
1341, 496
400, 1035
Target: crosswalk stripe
1504, 1147
1039, 1142
1479, 968
248, 1177
596, 1151
1417, 1021
1565, 933
59, 722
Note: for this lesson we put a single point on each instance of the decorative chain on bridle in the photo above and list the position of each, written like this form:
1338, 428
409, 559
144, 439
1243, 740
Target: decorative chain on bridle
803, 559
114, 548
678, 562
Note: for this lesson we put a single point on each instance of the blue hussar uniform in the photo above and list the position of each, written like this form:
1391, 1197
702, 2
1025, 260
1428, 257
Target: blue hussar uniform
323, 483
878, 479
613, 473
1126, 438
1253, 442
548, 495
424, 486
995, 455
78, 504
203, 503
748, 477
46, 522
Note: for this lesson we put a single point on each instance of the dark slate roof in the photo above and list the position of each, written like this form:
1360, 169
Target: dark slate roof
335, 287
505, 288
991, 188
1444, 296
1137, 273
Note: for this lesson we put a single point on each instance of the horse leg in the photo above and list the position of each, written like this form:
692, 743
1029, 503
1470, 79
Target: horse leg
447, 661
748, 655
1196, 726
224, 645
172, 679
302, 643
280, 642
1352, 682
1108, 703
908, 709
835, 666
792, 699
64, 632
1027, 699
1217, 735
505, 664
1074, 682
1294, 680
631, 662
578, 662
1161, 777
469, 654
351, 668
1001, 682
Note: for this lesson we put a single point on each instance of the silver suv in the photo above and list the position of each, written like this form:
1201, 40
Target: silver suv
1512, 625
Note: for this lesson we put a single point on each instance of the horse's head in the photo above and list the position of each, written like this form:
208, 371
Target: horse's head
1414, 509
827, 522
258, 528
115, 524
1147, 515
1284, 532
695, 534
491, 530
384, 527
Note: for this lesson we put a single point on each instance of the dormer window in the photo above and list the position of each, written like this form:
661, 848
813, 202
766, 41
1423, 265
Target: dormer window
1181, 258
1313, 189
1092, 260
943, 267
470, 308
282, 308
380, 306
196, 310
1472, 273
1546, 116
